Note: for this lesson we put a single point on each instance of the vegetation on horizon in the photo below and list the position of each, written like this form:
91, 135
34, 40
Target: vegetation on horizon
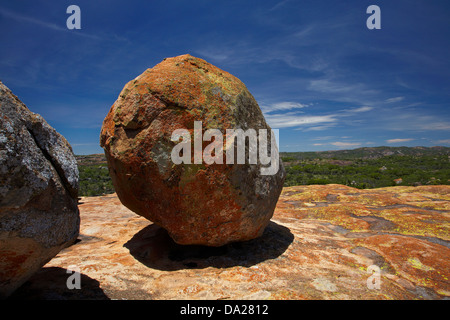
94, 176
365, 168
360, 168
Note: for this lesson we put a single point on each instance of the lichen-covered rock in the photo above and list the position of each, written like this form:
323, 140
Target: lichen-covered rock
38, 192
209, 204
321, 244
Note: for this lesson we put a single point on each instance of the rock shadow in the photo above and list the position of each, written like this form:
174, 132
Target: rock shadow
51, 284
153, 247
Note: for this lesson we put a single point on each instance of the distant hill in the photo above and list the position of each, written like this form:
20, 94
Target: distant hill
91, 159
369, 167
360, 153
367, 153
361, 168
94, 175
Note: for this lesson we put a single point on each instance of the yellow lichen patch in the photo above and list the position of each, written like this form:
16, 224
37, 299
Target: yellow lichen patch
310, 196
443, 292
420, 222
412, 197
415, 262
288, 192
442, 192
434, 205
372, 199
437, 196
358, 209
339, 215
420, 193
419, 261
317, 193
287, 216
398, 189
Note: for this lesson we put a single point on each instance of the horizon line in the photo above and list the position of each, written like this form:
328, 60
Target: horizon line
91, 154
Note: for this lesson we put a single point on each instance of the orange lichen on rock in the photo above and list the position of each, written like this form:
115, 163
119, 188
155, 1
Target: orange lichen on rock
197, 203
306, 252
422, 262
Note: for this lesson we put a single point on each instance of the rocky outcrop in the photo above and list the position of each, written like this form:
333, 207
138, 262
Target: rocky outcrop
38, 192
323, 242
197, 203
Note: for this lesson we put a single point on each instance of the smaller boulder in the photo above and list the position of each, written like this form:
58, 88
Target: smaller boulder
38, 192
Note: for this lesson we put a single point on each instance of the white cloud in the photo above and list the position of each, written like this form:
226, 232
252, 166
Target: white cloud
398, 140
336, 86
445, 141
345, 90
281, 106
346, 144
292, 120
306, 122
434, 125
362, 109
350, 112
318, 128
401, 120
323, 138
396, 99
328, 86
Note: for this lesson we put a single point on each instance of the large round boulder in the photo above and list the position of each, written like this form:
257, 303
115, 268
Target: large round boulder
196, 199
38, 192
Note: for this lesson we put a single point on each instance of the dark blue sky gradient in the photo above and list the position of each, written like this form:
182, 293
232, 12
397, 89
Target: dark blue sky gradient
317, 72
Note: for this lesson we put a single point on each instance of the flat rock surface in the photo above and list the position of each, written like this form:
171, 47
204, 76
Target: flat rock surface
319, 244
140, 138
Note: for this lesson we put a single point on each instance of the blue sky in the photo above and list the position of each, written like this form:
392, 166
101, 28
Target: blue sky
318, 73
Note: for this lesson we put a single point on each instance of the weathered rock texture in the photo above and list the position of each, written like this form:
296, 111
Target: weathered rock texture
197, 203
319, 245
38, 192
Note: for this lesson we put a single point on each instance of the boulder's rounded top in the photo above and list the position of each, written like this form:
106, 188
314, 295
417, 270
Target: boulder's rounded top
188, 82
198, 89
